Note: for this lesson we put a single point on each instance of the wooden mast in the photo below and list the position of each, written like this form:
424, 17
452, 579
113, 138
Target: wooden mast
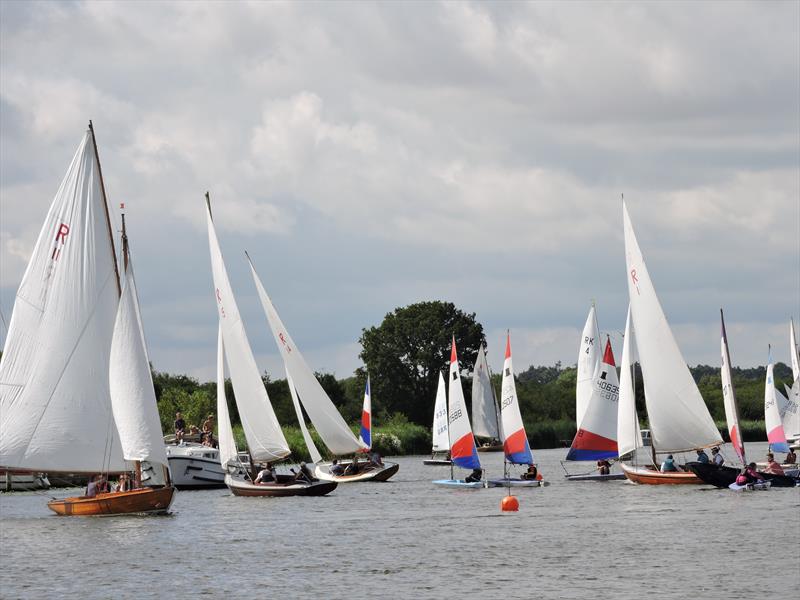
105, 206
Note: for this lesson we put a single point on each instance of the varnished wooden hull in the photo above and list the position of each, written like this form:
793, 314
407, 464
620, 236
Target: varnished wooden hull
649, 476
141, 501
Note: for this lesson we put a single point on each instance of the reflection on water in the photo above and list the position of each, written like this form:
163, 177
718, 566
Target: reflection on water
410, 539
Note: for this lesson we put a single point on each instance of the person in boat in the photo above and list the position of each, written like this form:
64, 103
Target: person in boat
352, 468
532, 473
716, 456
95, 486
123, 483
193, 430
336, 468
702, 457
791, 457
375, 458
304, 474
208, 427
749, 475
266, 475
603, 467
669, 464
180, 427
474, 476
772, 465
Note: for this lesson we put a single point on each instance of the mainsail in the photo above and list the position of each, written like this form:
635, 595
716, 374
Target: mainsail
227, 443
133, 397
588, 362
596, 437
791, 415
729, 397
484, 407
55, 411
264, 436
679, 419
312, 447
441, 436
516, 448
329, 424
629, 436
463, 452
772, 417
793, 352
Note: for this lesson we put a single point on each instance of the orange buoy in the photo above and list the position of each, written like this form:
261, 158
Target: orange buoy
509, 504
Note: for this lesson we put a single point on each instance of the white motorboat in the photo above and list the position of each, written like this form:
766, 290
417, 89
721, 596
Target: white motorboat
20, 481
194, 466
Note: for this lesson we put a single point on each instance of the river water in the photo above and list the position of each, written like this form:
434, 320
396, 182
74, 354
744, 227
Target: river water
410, 539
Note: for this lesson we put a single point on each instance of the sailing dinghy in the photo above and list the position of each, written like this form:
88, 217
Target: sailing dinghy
485, 414
265, 440
679, 419
75, 387
330, 425
516, 447
596, 438
463, 452
440, 450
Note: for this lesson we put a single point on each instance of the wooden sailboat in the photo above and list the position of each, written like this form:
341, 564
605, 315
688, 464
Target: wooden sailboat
596, 438
440, 449
75, 387
485, 413
265, 440
463, 452
679, 419
330, 425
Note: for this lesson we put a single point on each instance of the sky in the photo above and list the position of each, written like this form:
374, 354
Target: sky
372, 155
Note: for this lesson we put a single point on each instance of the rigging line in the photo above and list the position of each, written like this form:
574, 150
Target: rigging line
66, 363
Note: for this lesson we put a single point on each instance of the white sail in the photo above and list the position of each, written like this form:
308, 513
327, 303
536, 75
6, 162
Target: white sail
484, 407
729, 397
55, 411
463, 451
133, 398
588, 361
793, 352
329, 424
441, 436
679, 419
629, 437
772, 418
227, 443
265, 439
791, 416
312, 447
516, 447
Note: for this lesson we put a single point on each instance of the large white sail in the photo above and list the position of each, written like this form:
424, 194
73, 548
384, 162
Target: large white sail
729, 397
441, 436
329, 424
791, 415
463, 452
265, 439
55, 411
133, 398
679, 419
227, 443
484, 407
516, 448
588, 361
793, 352
772, 417
312, 447
629, 436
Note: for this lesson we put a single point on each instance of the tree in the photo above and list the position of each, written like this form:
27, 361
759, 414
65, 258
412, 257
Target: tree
407, 351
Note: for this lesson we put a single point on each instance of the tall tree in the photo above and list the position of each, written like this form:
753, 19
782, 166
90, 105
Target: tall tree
406, 352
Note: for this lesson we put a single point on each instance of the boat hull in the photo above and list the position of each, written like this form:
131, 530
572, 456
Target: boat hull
649, 476
372, 473
490, 448
20, 481
240, 487
192, 473
437, 462
596, 477
512, 482
140, 501
460, 483
723, 476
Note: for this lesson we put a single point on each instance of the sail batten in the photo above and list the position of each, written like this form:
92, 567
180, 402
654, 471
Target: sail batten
679, 418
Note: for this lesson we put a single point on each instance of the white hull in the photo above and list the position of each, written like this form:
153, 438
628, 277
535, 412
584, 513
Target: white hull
372, 473
460, 483
21, 482
195, 466
515, 483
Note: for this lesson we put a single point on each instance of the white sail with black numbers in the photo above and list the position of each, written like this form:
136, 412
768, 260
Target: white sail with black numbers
588, 362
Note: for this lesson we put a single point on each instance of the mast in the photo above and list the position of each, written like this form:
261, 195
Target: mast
105, 206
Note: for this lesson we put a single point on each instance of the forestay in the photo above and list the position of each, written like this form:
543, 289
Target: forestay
729, 397
441, 436
312, 447
463, 452
484, 407
596, 438
329, 424
265, 439
588, 362
629, 436
679, 419
227, 443
772, 417
133, 397
55, 411
515, 441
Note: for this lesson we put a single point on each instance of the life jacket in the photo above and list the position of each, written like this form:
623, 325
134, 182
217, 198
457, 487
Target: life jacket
741, 479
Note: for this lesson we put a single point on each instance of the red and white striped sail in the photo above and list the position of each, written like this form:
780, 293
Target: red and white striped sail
515, 440
729, 397
463, 452
772, 416
588, 362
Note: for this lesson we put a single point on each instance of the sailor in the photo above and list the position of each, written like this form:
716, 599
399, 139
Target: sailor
772, 465
474, 476
304, 474
669, 464
604, 467
336, 468
791, 457
716, 457
95, 485
532, 473
352, 468
749, 475
702, 457
266, 475
375, 458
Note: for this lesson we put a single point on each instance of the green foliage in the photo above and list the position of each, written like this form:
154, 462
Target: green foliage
408, 350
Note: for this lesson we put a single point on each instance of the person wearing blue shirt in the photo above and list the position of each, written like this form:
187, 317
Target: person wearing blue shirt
668, 464
702, 457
